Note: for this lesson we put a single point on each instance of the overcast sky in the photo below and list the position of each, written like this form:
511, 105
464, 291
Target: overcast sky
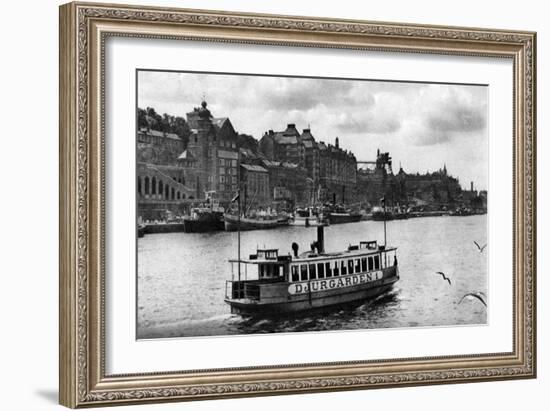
423, 126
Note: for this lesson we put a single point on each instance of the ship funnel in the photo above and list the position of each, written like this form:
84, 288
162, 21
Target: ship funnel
320, 239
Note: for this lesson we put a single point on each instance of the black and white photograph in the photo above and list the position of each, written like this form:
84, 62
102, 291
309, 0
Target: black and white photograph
283, 204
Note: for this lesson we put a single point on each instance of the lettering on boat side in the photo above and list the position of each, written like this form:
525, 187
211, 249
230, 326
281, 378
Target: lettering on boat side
336, 282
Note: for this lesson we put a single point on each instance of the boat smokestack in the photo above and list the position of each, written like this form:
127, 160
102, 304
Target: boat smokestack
320, 239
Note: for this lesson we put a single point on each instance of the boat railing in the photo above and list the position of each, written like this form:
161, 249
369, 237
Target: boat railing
237, 290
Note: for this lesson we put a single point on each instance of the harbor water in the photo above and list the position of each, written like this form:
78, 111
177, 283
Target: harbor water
181, 278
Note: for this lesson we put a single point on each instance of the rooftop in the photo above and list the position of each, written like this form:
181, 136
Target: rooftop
255, 168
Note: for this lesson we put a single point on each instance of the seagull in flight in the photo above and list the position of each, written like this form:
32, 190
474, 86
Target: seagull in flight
479, 295
444, 277
479, 247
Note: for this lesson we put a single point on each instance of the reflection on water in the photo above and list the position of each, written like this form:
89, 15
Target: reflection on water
181, 278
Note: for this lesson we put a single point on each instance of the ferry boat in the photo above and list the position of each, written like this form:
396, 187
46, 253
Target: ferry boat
272, 284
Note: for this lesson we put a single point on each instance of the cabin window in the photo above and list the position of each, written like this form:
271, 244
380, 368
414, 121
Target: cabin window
364, 264
303, 272
377, 262
336, 269
357, 265
321, 270
371, 264
328, 270
344, 268
312, 272
350, 266
262, 270
295, 276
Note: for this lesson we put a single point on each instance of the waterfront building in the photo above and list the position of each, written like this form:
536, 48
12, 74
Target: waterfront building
213, 149
331, 171
255, 184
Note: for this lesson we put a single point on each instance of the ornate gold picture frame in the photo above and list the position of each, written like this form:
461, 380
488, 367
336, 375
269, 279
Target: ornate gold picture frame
84, 29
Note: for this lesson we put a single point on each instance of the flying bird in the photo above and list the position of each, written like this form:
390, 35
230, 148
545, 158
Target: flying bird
444, 277
479, 247
479, 295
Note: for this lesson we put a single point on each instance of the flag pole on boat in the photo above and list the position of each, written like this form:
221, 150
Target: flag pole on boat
383, 201
237, 198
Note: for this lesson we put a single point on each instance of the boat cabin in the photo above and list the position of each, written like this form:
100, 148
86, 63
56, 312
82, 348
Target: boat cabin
270, 266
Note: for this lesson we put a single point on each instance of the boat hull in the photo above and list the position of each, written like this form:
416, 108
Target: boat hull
334, 218
306, 222
232, 223
315, 300
198, 226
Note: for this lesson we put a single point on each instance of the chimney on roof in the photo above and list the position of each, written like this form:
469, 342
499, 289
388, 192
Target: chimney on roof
291, 125
270, 132
472, 186
307, 130
337, 142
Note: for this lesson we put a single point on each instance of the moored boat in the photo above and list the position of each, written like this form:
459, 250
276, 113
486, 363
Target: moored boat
204, 220
381, 214
307, 217
311, 280
234, 223
341, 215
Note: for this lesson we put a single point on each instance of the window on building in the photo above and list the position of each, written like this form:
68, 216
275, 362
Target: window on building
166, 192
147, 185
350, 266
377, 262
161, 186
139, 185
312, 272
294, 270
173, 192
371, 264
363, 264
154, 186
357, 265
303, 272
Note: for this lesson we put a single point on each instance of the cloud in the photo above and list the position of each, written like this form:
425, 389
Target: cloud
368, 124
421, 124
458, 119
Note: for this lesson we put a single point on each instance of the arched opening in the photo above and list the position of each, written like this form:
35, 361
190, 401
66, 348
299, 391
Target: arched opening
178, 195
139, 186
166, 192
173, 194
160, 187
183, 196
154, 186
147, 185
